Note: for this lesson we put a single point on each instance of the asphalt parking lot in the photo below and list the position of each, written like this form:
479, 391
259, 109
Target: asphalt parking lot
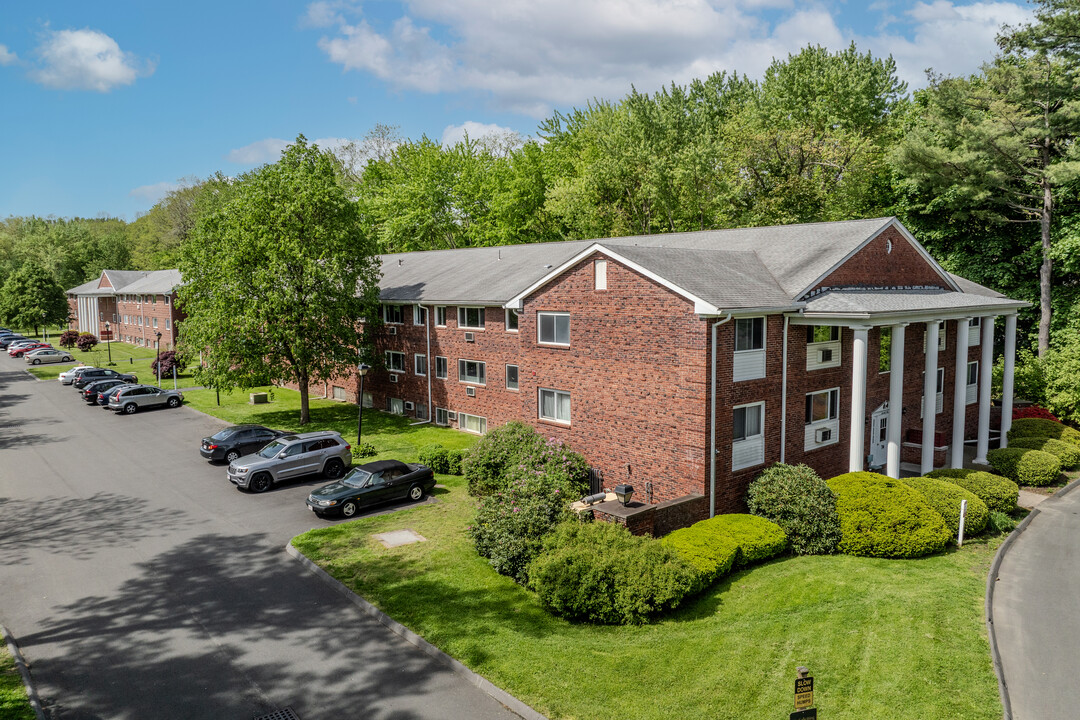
139, 583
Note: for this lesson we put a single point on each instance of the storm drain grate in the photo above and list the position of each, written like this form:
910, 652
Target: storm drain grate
283, 714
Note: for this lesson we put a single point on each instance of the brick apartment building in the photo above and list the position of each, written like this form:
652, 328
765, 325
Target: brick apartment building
686, 363
128, 305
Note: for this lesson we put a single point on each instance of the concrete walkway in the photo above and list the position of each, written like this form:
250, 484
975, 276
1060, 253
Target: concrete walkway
1035, 612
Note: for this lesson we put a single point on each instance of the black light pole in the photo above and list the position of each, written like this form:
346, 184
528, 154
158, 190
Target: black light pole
44, 327
363, 370
157, 348
108, 343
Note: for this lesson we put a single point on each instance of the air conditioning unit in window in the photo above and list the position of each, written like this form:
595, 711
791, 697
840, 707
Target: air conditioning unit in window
391, 330
409, 405
393, 377
825, 355
451, 415
470, 391
470, 337
823, 435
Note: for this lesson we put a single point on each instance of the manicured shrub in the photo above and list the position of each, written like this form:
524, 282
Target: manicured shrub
168, 360
600, 573
1035, 427
363, 450
945, 497
999, 493
758, 539
708, 553
882, 517
1025, 467
434, 456
86, 342
513, 447
455, 459
1066, 452
1000, 523
68, 338
1033, 411
798, 500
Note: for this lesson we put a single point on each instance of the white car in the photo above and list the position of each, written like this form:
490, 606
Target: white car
47, 355
68, 376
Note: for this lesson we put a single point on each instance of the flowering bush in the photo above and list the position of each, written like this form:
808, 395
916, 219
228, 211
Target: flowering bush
507, 451
1034, 411
68, 338
168, 360
86, 342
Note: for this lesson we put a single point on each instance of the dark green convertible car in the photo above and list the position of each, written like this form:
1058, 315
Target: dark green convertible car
372, 484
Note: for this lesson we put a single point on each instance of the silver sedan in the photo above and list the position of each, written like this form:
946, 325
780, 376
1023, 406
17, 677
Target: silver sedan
47, 355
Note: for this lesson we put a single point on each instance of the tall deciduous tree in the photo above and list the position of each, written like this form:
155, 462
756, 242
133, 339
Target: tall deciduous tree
1002, 144
31, 297
277, 282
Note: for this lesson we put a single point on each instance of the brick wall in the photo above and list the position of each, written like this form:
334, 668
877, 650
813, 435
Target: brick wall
875, 266
149, 308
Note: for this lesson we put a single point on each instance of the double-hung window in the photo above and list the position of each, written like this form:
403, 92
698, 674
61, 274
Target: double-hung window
511, 320
470, 318
748, 436
972, 389
940, 392
822, 418
749, 360
420, 364
974, 331
555, 405
471, 371
511, 377
419, 315
440, 316
440, 367
940, 337
822, 346
553, 328
472, 423
442, 416
395, 361
392, 314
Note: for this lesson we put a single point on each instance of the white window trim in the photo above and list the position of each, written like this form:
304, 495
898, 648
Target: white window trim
393, 322
506, 320
600, 274
388, 363
462, 314
540, 405
751, 440
472, 382
764, 334
445, 414
446, 362
419, 310
941, 337
553, 314
506, 377
971, 390
827, 419
462, 422
416, 364
939, 396
440, 309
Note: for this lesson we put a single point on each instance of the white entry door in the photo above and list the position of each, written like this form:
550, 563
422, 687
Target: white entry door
879, 436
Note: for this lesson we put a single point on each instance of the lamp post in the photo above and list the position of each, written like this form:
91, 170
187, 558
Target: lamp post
157, 352
362, 369
44, 327
108, 343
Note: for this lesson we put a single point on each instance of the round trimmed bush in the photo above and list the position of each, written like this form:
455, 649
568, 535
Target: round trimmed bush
434, 456
801, 503
1038, 427
945, 497
882, 517
1066, 452
759, 539
455, 459
1025, 467
598, 572
708, 553
999, 493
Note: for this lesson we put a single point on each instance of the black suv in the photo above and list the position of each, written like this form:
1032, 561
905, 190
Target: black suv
102, 374
90, 392
236, 441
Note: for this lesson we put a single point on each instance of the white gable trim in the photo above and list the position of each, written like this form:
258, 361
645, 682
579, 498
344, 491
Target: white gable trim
701, 306
893, 222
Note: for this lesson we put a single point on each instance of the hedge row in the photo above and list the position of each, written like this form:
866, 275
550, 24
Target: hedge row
1065, 451
441, 460
1025, 467
946, 497
710, 554
999, 493
1037, 427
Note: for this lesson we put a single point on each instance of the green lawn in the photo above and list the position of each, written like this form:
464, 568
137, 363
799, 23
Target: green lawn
125, 357
883, 638
14, 704
393, 436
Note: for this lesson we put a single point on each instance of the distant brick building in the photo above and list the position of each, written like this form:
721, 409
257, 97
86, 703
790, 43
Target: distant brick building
128, 305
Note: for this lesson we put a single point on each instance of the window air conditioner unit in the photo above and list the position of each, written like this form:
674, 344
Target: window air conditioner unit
825, 355
470, 391
470, 337
393, 377
408, 405
451, 415
391, 330
823, 435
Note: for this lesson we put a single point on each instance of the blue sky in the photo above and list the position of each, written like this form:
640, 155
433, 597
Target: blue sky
104, 106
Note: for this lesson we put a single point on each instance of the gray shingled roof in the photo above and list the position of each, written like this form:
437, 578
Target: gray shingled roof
157, 281
877, 302
131, 281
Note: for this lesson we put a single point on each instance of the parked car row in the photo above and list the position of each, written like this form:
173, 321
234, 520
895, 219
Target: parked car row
119, 392
35, 353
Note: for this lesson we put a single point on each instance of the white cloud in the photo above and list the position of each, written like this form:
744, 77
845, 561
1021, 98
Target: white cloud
476, 131
270, 149
7, 57
531, 56
153, 193
86, 60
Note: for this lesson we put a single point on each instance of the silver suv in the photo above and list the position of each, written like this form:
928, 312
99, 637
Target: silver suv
133, 398
291, 456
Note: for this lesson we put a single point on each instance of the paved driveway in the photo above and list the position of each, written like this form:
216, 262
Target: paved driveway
1037, 613
140, 584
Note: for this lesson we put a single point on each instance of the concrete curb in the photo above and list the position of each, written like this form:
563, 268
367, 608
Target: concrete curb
991, 581
28, 682
500, 695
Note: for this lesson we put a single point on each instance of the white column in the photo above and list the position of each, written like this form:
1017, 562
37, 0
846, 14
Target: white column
929, 413
986, 374
896, 400
856, 445
959, 406
1007, 377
